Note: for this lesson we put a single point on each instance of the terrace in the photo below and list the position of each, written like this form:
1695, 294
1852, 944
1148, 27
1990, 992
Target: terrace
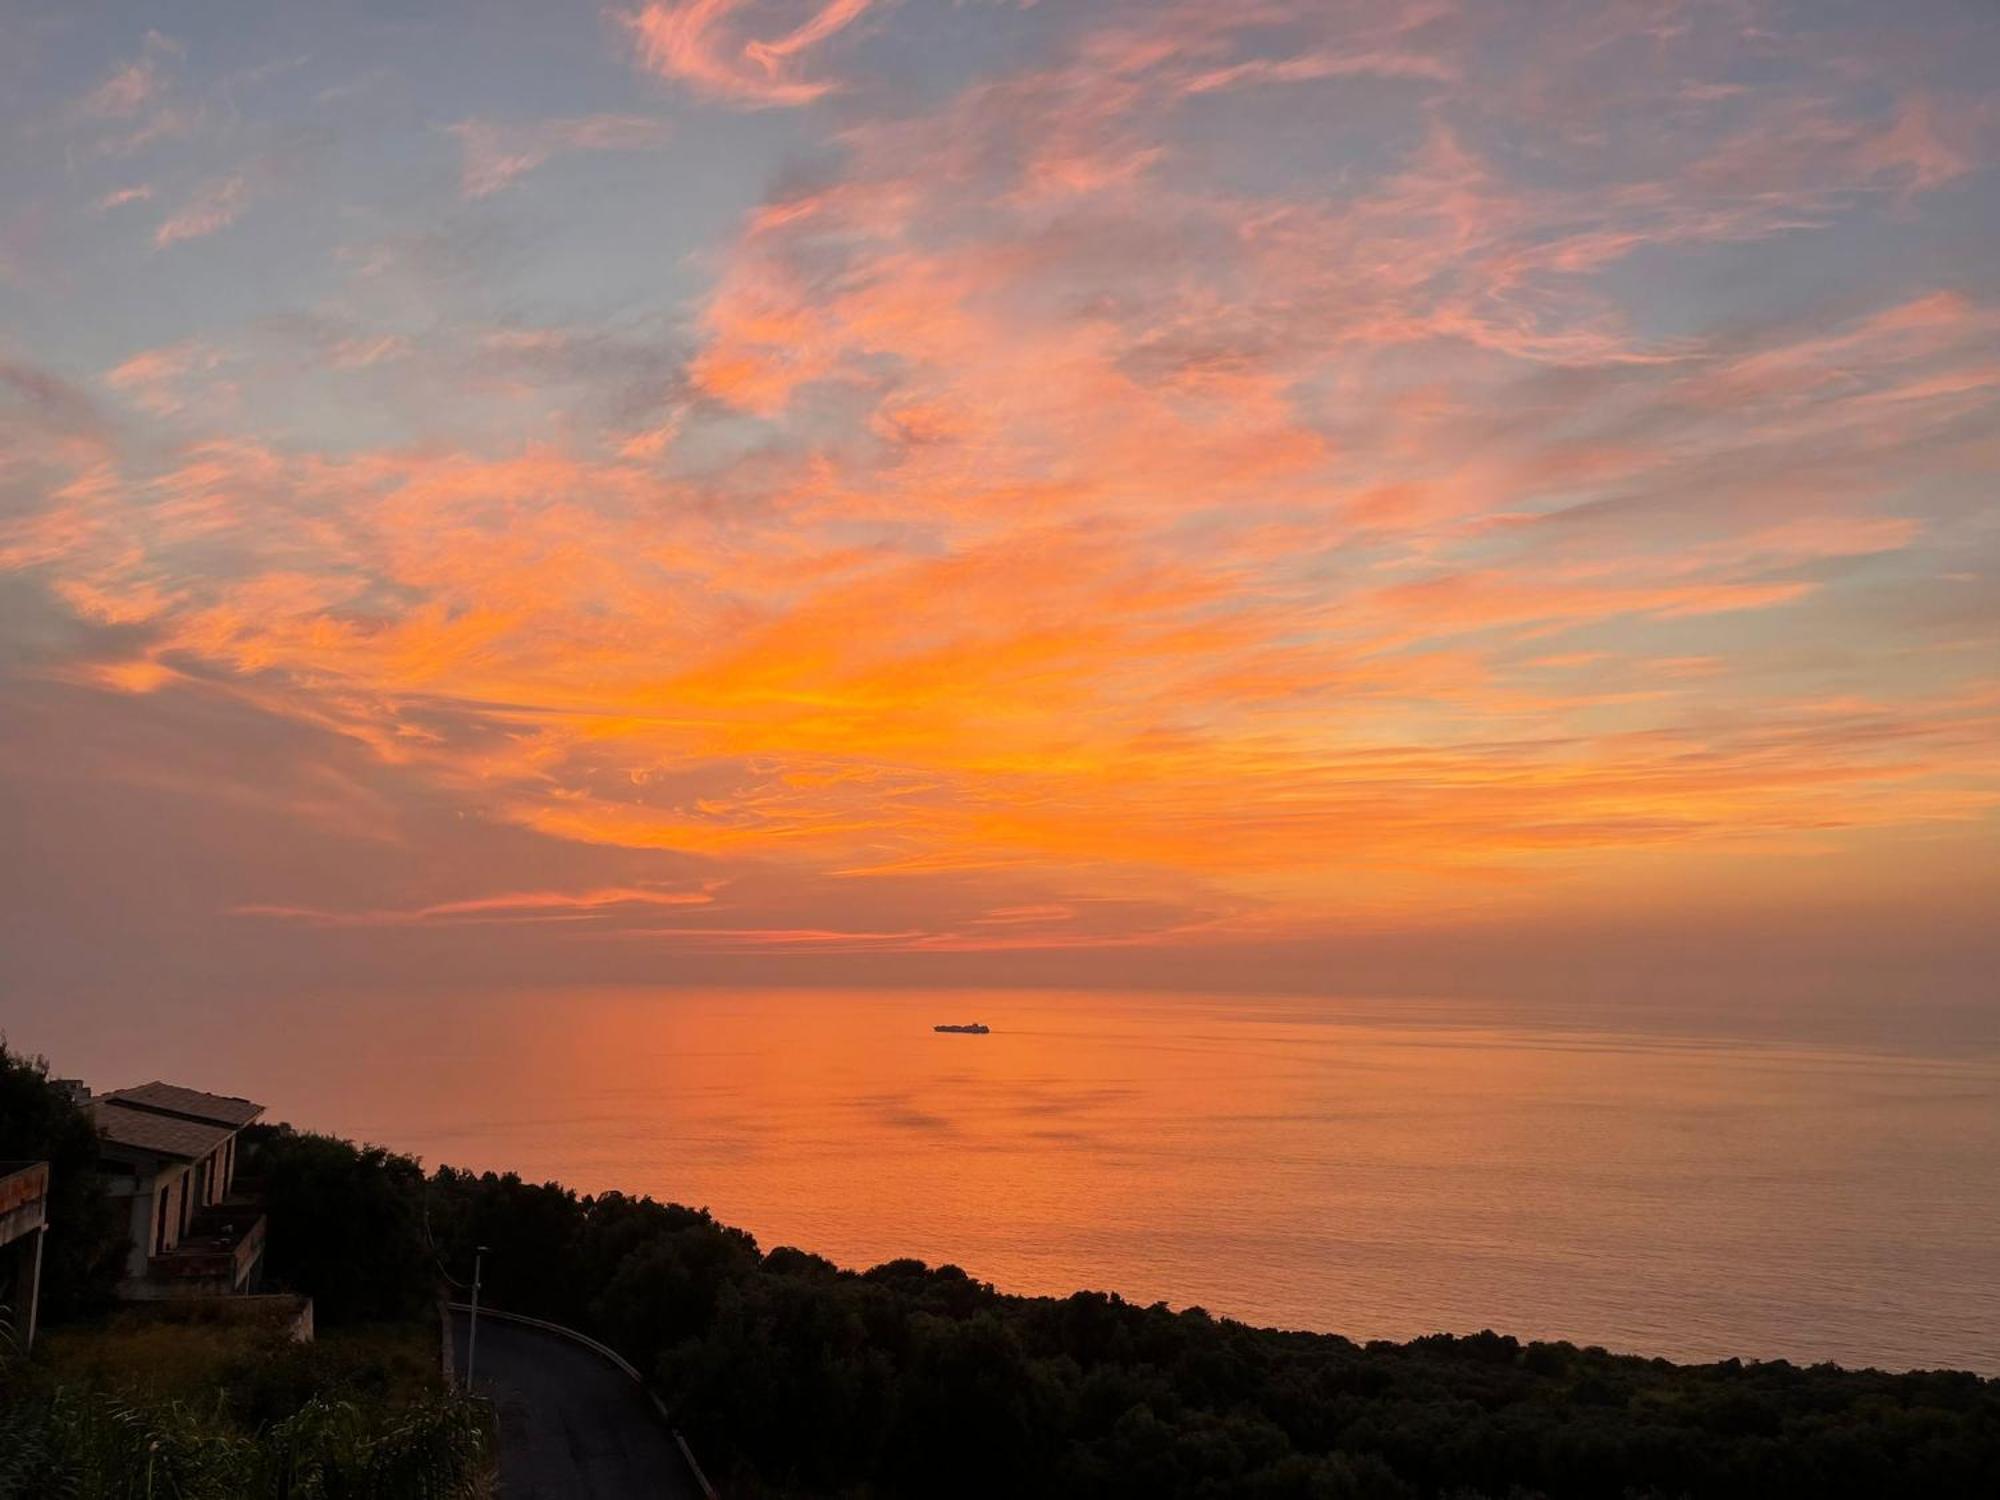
216, 1256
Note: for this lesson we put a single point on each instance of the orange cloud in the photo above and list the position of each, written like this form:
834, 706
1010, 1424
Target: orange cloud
709, 45
215, 206
519, 906
118, 198
153, 378
1314, 66
497, 153
128, 90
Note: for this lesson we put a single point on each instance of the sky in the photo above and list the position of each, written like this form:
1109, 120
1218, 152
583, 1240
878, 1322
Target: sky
1408, 495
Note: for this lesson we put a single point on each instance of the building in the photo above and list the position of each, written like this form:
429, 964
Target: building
24, 1219
170, 1154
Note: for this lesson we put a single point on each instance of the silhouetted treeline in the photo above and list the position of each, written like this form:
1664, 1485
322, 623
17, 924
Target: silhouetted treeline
796, 1378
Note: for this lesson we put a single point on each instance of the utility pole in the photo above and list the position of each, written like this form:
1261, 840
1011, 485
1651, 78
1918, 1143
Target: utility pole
472, 1333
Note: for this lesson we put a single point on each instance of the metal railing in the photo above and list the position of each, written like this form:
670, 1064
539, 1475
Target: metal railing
612, 1356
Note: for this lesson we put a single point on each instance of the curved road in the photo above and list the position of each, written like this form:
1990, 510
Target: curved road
572, 1425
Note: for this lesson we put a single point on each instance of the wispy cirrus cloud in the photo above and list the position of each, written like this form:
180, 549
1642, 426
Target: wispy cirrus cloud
156, 379
497, 153
132, 87
1311, 67
119, 197
745, 52
136, 106
213, 206
512, 906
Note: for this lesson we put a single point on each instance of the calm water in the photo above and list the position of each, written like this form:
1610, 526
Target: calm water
1381, 1171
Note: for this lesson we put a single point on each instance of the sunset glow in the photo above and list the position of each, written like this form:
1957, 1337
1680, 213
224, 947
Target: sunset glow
602, 491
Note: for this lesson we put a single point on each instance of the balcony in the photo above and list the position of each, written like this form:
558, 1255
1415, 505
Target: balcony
217, 1256
23, 1187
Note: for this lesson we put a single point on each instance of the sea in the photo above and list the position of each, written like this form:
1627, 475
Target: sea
1637, 1178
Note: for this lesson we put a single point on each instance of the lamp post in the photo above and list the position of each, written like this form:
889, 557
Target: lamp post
35, 1284
472, 1333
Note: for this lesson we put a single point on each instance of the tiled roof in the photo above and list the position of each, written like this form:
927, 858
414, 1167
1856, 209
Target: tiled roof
171, 1098
162, 1135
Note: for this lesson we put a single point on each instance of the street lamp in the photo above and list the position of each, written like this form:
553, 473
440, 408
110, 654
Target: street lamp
472, 1334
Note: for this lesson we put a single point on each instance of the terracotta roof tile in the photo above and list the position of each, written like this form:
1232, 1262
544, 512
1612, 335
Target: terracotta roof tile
219, 1109
162, 1135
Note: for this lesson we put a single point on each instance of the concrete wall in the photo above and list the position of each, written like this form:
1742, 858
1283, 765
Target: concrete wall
141, 1191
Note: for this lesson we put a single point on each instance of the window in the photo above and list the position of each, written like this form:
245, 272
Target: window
160, 1232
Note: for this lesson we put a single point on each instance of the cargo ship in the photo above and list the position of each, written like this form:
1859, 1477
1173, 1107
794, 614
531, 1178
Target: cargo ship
976, 1028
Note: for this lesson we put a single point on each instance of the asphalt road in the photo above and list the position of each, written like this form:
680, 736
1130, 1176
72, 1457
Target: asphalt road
572, 1426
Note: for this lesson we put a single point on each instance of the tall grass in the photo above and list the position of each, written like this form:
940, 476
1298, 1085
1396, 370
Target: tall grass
65, 1439
97, 1446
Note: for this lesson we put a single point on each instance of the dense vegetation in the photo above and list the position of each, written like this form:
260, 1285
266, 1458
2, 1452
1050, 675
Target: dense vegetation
796, 1378
85, 1246
285, 1426
213, 1401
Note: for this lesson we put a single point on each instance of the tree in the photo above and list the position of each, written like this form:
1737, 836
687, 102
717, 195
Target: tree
85, 1248
346, 1226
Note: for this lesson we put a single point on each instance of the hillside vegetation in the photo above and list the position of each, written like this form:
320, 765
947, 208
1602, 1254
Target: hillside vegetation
797, 1378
